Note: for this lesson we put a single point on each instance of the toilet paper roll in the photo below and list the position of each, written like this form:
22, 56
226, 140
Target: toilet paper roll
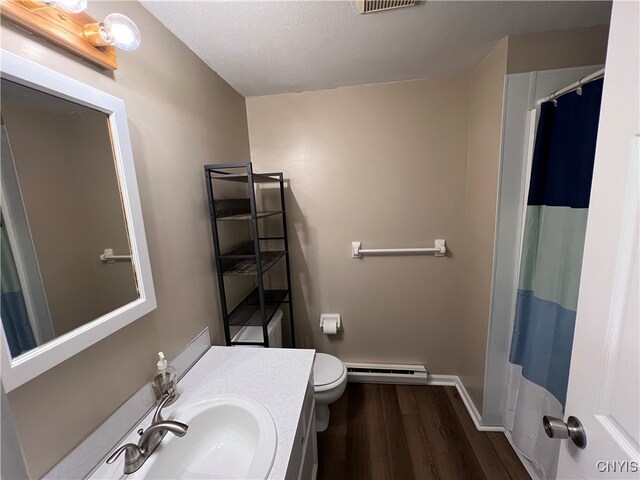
330, 327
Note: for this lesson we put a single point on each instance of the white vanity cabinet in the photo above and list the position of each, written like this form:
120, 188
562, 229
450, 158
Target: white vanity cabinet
303, 462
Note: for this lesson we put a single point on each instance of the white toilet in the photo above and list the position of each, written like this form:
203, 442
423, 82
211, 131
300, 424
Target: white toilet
329, 373
330, 380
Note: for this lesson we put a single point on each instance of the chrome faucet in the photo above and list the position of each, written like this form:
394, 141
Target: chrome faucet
136, 455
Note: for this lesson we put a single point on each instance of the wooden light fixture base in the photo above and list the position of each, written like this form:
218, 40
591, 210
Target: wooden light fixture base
63, 29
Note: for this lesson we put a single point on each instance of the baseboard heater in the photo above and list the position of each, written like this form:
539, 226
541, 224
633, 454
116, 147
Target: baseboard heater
386, 373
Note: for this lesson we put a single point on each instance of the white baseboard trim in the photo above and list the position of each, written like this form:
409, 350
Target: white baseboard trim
454, 381
473, 411
442, 380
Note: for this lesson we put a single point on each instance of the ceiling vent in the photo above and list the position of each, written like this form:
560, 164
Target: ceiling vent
370, 6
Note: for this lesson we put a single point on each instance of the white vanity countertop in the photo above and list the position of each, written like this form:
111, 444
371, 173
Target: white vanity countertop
276, 377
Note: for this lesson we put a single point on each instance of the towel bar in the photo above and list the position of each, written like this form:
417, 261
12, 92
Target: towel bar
109, 257
440, 250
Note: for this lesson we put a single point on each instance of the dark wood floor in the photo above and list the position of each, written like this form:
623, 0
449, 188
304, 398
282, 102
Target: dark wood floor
405, 432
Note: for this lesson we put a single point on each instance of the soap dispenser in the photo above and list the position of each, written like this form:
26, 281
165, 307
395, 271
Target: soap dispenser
165, 380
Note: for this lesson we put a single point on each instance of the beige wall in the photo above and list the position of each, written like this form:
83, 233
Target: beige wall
181, 116
391, 165
485, 128
385, 165
102, 208
557, 49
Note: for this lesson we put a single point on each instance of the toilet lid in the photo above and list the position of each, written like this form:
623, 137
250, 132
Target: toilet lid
327, 369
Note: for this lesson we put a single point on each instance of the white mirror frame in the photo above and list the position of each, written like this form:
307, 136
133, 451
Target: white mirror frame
19, 370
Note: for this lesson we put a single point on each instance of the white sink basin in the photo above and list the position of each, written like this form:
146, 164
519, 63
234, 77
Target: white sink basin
229, 437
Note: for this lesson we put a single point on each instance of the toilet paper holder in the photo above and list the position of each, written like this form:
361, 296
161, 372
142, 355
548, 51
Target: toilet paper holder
330, 317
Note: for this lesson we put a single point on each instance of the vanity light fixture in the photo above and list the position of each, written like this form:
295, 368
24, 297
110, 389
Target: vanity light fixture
117, 30
64, 23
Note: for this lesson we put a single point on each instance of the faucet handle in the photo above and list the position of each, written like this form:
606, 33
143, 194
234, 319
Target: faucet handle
132, 454
157, 417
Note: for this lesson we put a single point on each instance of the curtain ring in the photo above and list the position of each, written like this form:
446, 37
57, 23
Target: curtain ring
579, 89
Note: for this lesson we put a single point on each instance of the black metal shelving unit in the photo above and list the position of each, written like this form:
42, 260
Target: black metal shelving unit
249, 259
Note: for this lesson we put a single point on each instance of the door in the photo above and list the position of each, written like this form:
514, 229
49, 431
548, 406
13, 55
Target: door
604, 387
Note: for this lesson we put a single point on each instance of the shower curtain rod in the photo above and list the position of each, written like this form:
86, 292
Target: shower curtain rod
574, 86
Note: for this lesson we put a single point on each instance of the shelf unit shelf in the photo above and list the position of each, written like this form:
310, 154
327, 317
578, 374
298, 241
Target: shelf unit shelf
216, 173
233, 209
248, 313
258, 308
247, 216
248, 266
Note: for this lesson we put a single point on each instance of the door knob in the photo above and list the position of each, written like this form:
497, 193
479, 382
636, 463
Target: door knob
573, 429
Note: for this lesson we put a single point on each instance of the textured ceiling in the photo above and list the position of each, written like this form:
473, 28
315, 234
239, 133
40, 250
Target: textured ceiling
267, 47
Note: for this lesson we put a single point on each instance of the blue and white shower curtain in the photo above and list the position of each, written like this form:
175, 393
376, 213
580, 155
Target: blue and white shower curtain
15, 318
551, 262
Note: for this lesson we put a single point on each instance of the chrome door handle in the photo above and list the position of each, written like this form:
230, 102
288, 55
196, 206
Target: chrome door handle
573, 429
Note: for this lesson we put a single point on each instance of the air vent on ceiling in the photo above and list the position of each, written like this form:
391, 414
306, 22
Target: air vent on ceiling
370, 6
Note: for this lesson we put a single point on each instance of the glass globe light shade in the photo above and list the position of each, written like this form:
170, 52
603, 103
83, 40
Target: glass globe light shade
120, 31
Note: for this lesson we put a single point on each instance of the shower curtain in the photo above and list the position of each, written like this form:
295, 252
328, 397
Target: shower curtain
13, 309
553, 244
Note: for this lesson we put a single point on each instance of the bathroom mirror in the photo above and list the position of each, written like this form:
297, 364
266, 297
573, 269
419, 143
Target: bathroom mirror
74, 259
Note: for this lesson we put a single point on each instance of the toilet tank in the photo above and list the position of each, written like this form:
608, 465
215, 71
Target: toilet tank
254, 334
